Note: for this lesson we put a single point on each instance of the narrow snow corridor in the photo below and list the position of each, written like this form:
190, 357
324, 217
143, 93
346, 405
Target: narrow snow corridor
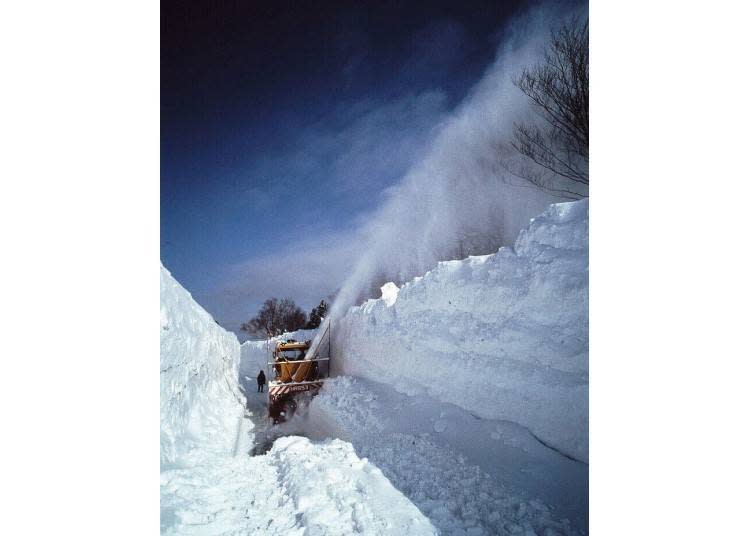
209, 482
257, 412
414, 431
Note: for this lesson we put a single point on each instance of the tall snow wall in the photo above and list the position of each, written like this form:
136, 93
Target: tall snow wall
504, 336
201, 404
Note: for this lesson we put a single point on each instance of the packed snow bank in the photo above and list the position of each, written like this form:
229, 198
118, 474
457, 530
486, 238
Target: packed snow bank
297, 488
504, 336
201, 404
347, 496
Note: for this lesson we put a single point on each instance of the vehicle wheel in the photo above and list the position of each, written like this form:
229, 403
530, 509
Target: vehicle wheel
288, 409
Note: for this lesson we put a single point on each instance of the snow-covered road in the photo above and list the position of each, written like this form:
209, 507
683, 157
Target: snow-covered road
500, 453
467, 475
292, 486
296, 488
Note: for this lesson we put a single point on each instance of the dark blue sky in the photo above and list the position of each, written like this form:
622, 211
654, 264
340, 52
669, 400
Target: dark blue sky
282, 124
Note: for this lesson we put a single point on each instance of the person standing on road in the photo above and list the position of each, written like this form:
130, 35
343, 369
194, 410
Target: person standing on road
261, 381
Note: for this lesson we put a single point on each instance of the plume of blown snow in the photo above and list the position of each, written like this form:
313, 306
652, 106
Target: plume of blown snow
459, 199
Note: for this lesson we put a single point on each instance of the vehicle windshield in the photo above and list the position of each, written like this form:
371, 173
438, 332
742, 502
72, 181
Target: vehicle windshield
292, 355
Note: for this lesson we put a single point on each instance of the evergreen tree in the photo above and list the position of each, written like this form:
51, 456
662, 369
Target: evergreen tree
317, 315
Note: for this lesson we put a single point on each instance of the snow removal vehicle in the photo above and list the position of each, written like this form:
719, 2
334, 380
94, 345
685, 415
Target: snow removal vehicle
297, 369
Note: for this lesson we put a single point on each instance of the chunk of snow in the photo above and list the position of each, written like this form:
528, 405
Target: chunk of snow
389, 293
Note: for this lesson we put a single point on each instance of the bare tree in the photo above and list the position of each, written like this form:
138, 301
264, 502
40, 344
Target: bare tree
559, 91
476, 241
276, 317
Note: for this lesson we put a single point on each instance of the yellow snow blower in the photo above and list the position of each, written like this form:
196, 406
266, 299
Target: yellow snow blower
296, 370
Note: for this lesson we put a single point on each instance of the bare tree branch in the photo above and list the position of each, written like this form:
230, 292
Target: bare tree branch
558, 88
276, 317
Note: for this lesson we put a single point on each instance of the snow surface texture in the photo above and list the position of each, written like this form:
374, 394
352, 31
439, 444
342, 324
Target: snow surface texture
432, 452
504, 336
209, 483
297, 488
201, 404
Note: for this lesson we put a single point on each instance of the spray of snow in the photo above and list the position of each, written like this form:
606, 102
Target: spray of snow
459, 199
